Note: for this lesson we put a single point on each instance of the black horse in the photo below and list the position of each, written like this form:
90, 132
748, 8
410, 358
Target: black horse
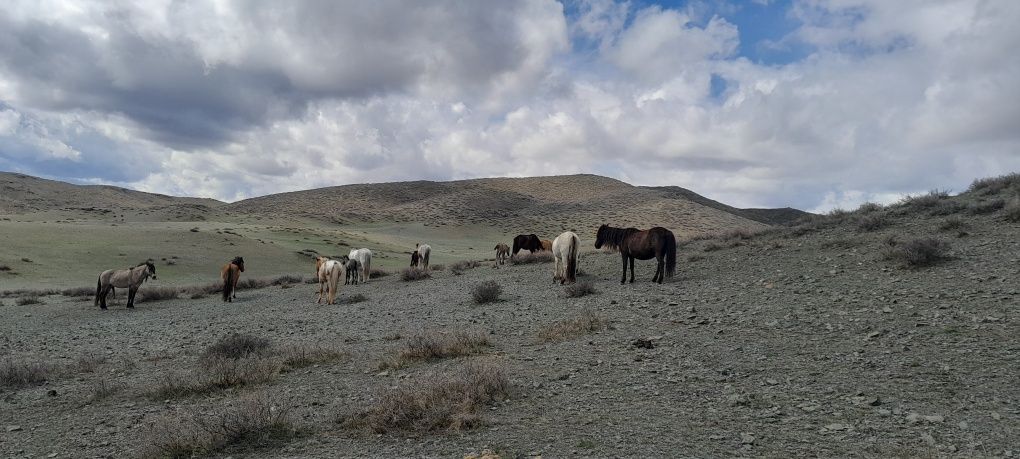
633, 244
529, 242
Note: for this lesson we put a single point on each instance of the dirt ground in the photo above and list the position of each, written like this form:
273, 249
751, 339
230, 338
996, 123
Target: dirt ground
781, 345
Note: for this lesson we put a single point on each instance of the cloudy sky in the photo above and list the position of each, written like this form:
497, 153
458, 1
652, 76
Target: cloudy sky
813, 103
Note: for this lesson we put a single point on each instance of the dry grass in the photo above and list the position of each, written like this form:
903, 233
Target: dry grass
487, 292
435, 402
586, 322
255, 423
525, 258
434, 345
355, 298
19, 373
236, 346
463, 265
736, 233
1012, 212
28, 300
102, 389
953, 223
994, 185
5, 268
78, 291
148, 294
579, 289
377, 273
437, 267
414, 274
868, 207
918, 252
986, 207
305, 355
89, 363
872, 222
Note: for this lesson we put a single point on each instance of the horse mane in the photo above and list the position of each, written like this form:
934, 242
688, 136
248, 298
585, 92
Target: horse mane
614, 237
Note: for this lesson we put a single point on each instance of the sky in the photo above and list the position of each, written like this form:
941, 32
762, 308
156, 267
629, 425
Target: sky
814, 104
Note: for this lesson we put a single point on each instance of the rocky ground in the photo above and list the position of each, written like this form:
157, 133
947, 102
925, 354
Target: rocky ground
798, 342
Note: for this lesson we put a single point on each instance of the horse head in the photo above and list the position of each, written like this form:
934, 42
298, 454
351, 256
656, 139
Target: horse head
239, 262
600, 236
414, 258
150, 268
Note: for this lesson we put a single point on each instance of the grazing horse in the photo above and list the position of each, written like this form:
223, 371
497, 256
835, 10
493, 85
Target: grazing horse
352, 266
420, 256
502, 251
529, 242
328, 273
364, 257
564, 250
130, 278
230, 273
547, 245
634, 244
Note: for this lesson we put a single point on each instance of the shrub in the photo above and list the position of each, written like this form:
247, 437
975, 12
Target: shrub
872, 222
250, 283
918, 252
355, 298
4, 268
433, 345
88, 363
1012, 212
27, 300
525, 258
287, 279
255, 423
16, 373
838, 214
579, 289
712, 247
79, 291
437, 267
414, 274
694, 258
236, 346
952, 223
435, 401
736, 233
946, 207
463, 265
869, 207
993, 185
986, 207
101, 388
487, 292
156, 294
303, 355
377, 273
587, 322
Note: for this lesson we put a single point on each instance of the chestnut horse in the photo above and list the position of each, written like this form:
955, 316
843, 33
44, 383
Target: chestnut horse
547, 245
634, 244
230, 273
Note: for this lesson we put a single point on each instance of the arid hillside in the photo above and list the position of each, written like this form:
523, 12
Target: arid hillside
543, 205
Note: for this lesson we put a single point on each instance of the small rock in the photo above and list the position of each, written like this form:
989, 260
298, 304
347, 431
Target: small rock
51, 392
771, 382
963, 424
746, 438
643, 343
996, 415
928, 439
836, 426
383, 373
13, 428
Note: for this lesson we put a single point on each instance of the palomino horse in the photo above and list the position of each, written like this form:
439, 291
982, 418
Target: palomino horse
546, 244
420, 256
502, 251
364, 257
564, 250
130, 279
328, 273
633, 244
529, 242
230, 273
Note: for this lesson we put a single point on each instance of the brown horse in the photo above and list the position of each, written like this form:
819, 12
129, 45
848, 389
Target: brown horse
529, 242
634, 244
230, 273
130, 279
547, 245
502, 251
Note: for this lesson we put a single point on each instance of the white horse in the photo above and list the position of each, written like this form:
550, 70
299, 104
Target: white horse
564, 249
130, 279
364, 257
328, 271
423, 250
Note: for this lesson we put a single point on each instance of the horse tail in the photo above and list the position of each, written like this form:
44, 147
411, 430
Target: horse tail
228, 286
334, 281
572, 249
99, 289
670, 253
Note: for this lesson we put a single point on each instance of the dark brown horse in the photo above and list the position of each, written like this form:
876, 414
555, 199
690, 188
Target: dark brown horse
634, 244
230, 273
529, 242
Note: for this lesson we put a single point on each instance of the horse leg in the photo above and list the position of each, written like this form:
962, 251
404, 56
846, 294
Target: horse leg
632, 270
623, 280
131, 297
102, 297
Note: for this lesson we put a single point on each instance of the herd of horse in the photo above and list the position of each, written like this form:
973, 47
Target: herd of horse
632, 244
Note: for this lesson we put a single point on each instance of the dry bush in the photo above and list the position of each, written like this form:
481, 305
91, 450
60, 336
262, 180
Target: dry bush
712, 247
250, 283
463, 265
254, 423
377, 273
528, 258
872, 222
837, 214
918, 252
236, 346
587, 322
19, 373
1012, 212
303, 355
986, 207
694, 258
433, 345
148, 294
579, 289
994, 185
487, 292
946, 207
437, 267
413, 274
287, 279
202, 290
736, 233
89, 363
27, 300
868, 207
5, 268
216, 373
952, 224
79, 291
101, 389
435, 402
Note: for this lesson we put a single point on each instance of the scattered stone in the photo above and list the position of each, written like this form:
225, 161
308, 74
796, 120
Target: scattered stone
836, 426
643, 343
13, 428
51, 392
746, 438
